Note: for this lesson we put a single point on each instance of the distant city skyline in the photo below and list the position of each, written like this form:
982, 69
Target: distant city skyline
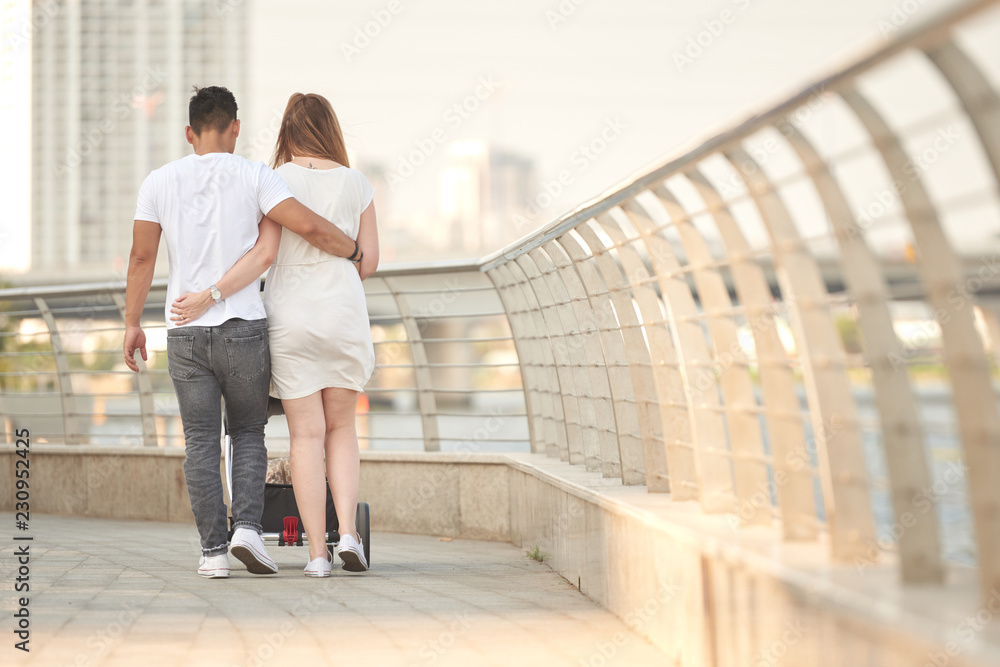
543, 82
108, 90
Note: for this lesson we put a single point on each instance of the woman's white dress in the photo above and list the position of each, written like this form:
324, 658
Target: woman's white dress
317, 315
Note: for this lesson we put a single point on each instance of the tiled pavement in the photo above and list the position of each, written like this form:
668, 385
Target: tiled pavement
116, 592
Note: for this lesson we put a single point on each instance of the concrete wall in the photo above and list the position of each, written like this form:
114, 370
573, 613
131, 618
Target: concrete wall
430, 494
710, 596
706, 594
452, 495
133, 483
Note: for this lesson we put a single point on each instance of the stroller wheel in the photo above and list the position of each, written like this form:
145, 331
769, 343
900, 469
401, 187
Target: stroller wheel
363, 522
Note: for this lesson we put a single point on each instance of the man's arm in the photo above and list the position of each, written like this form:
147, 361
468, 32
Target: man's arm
189, 307
314, 228
141, 263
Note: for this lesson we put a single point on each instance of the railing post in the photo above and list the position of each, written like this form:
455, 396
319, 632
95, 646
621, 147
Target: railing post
965, 359
978, 98
790, 458
630, 450
679, 476
526, 349
573, 385
625, 284
426, 398
909, 473
570, 437
575, 296
733, 379
71, 431
555, 429
147, 405
834, 416
648, 431
543, 433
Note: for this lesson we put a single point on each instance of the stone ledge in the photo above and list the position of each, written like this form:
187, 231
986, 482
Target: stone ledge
178, 452
75, 450
757, 585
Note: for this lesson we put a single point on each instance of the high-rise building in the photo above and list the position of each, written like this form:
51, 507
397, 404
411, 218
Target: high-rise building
482, 188
111, 82
15, 91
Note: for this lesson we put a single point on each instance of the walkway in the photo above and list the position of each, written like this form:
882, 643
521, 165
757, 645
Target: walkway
125, 593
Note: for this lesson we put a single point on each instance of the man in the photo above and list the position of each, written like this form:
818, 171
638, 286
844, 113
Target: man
210, 206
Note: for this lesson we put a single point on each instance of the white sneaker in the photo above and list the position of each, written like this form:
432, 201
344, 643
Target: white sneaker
249, 548
214, 567
352, 553
320, 567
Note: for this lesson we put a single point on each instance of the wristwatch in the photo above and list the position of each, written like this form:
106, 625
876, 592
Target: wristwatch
216, 294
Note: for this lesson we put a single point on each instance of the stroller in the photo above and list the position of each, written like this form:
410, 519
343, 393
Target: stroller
280, 520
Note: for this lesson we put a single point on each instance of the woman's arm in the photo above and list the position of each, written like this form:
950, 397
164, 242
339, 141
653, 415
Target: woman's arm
368, 242
250, 267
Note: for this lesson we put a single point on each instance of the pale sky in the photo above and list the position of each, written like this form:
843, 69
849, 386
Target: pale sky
559, 73
560, 81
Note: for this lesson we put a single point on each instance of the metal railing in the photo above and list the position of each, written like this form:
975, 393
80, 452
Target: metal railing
435, 386
731, 326
792, 322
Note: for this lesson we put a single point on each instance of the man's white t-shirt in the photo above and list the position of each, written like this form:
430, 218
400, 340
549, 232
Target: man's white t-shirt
209, 207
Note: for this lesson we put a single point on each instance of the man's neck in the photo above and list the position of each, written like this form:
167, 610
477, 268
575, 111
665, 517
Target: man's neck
211, 141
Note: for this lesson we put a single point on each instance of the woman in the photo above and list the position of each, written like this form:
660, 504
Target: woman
321, 348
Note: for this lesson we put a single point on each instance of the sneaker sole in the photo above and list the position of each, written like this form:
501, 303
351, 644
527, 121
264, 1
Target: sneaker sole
318, 575
352, 562
213, 574
254, 563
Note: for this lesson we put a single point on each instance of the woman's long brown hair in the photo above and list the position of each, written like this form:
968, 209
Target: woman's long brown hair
309, 127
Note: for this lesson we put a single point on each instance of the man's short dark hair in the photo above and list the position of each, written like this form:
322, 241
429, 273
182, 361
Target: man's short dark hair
211, 107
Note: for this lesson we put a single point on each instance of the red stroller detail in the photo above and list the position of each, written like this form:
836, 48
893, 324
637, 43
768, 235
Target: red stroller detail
280, 520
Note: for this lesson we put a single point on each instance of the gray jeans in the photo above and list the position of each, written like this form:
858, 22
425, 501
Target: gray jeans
206, 364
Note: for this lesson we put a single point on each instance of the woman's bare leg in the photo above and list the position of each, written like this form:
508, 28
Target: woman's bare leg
307, 428
343, 460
